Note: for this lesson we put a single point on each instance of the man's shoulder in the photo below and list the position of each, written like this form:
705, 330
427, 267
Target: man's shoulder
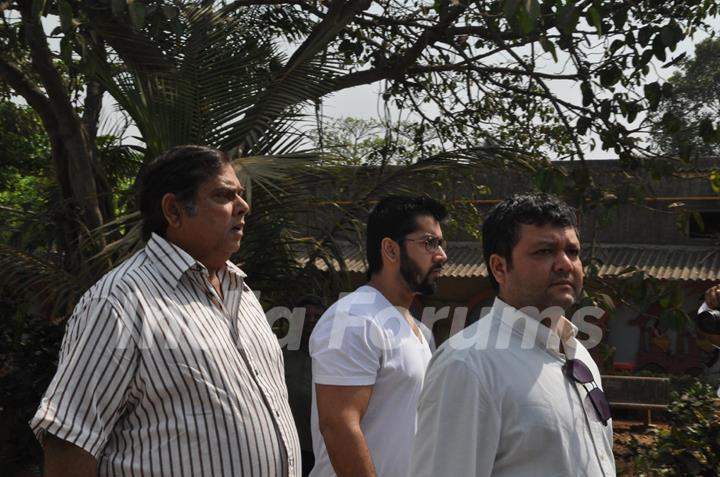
364, 303
127, 277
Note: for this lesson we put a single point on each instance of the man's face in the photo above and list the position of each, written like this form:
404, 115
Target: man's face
420, 268
546, 269
212, 232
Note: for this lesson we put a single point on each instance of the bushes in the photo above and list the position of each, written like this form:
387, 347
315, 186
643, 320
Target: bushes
691, 446
28, 358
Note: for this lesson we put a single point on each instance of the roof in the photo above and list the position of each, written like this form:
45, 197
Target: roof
665, 262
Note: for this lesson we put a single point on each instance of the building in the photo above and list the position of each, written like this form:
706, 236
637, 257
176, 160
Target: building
668, 232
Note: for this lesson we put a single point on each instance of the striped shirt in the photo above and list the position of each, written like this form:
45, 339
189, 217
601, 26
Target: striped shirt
160, 376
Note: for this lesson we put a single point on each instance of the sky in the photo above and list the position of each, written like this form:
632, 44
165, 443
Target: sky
365, 102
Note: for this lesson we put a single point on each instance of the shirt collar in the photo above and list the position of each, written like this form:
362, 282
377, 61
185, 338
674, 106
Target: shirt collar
543, 337
172, 262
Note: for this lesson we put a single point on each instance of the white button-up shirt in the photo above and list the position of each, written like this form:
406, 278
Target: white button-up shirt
158, 375
496, 403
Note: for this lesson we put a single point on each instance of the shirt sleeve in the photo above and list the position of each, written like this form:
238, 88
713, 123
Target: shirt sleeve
458, 426
88, 393
346, 350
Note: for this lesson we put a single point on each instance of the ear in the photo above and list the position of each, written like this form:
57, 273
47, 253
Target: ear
390, 250
499, 268
171, 209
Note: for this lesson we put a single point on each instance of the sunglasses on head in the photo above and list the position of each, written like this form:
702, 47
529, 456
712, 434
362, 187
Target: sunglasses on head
580, 373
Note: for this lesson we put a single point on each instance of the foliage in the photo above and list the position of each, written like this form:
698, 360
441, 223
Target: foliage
691, 446
369, 142
28, 353
685, 122
481, 77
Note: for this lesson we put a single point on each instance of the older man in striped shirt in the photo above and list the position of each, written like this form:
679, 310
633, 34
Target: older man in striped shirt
168, 366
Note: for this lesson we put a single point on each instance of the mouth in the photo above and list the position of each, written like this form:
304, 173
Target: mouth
238, 228
561, 283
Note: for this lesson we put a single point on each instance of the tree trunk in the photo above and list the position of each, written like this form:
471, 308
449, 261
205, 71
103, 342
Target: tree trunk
75, 160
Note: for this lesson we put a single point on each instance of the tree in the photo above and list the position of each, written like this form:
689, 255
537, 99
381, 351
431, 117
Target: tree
685, 122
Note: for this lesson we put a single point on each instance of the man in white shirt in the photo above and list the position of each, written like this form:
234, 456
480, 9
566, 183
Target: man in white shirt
515, 394
711, 302
168, 366
369, 354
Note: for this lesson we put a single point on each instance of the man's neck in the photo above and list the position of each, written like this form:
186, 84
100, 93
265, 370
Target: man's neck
396, 293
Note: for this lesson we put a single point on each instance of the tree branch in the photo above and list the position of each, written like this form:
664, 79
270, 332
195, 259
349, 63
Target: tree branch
18, 80
75, 145
463, 65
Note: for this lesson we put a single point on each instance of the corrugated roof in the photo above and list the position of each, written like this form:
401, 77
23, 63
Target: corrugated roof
666, 262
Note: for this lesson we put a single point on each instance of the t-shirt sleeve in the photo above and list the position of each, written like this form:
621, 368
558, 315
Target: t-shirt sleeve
458, 425
346, 350
96, 366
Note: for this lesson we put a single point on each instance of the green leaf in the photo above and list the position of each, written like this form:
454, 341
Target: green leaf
678, 297
567, 18
38, 6
587, 93
510, 8
66, 16
137, 12
610, 76
66, 50
644, 35
620, 18
583, 124
715, 180
706, 129
532, 7
549, 47
658, 48
653, 94
596, 19
616, 45
528, 15
671, 35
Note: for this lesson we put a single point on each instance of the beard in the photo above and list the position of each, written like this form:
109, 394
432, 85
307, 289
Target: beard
423, 284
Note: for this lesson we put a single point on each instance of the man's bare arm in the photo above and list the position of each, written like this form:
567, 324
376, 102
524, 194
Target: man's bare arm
64, 459
340, 410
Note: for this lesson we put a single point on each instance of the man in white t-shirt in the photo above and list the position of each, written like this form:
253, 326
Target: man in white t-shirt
369, 354
512, 395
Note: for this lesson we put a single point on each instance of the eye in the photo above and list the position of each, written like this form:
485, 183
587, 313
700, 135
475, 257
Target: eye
573, 252
543, 251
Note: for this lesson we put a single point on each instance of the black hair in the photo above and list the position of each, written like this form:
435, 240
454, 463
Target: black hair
180, 171
500, 230
394, 217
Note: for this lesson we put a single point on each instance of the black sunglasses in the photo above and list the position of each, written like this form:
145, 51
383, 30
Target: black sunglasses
578, 371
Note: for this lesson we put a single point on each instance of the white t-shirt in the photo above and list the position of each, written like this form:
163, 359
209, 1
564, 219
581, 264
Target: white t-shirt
363, 340
496, 403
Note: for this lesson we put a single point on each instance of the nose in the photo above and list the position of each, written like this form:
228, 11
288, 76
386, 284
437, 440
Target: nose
563, 262
440, 252
241, 206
